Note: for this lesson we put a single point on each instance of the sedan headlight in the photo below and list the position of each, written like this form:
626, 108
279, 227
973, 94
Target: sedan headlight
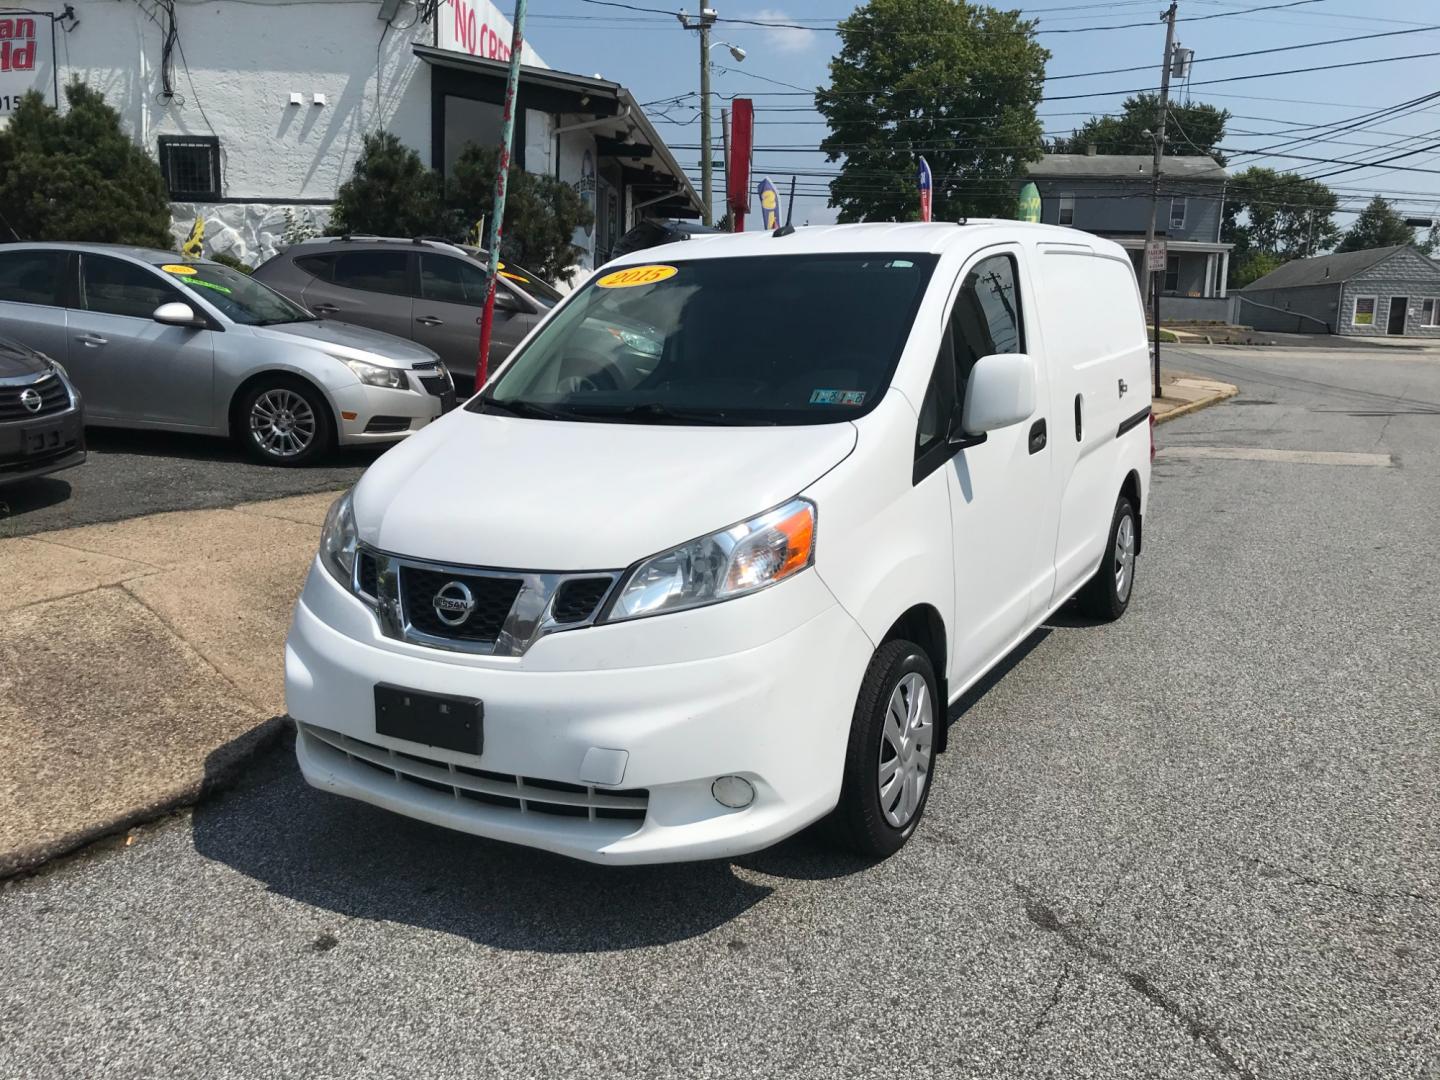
377, 374
726, 564
339, 540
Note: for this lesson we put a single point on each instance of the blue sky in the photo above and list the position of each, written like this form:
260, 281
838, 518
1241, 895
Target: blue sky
658, 60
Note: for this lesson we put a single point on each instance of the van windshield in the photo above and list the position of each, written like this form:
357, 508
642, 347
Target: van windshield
783, 339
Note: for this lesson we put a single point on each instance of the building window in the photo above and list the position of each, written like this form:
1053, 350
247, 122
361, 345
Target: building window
1172, 273
1364, 311
1430, 312
191, 166
1177, 213
1067, 210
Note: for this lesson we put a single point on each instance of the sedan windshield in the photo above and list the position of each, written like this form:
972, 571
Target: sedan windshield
239, 297
784, 339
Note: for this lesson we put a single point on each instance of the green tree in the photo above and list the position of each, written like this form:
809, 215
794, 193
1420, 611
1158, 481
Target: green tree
954, 81
1378, 225
1192, 129
1278, 215
1251, 266
390, 193
541, 212
77, 175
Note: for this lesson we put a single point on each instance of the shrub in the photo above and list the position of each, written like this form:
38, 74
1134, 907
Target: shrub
390, 192
77, 176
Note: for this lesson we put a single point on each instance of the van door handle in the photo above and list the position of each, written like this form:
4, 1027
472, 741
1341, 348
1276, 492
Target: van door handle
430, 320
92, 340
1037, 436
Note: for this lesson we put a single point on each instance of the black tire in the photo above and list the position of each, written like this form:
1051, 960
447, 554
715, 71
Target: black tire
860, 821
1104, 597
311, 431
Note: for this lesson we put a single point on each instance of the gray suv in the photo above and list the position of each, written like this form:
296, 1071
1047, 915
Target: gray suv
426, 290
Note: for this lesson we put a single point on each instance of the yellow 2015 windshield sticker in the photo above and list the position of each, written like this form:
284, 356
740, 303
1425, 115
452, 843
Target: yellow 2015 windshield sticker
632, 276
176, 268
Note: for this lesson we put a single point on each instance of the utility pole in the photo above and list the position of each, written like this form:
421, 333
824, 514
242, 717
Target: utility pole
1151, 286
725, 157
502, 175
1158, 136
702, 23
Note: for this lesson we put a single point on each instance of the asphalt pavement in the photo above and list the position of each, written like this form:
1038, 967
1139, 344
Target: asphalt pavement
130, 473
1200, 842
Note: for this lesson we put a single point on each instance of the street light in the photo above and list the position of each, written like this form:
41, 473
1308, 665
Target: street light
703, 22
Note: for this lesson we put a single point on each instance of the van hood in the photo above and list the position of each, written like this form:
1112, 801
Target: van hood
357, 342
522, 494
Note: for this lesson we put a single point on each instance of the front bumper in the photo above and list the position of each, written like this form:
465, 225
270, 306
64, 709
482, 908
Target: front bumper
776, 712
65, 449
372, 414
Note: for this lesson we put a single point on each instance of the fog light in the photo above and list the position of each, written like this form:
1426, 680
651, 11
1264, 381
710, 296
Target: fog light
733, 791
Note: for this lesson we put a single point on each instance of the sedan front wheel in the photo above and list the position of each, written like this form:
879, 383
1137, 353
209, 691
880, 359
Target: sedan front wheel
284, 421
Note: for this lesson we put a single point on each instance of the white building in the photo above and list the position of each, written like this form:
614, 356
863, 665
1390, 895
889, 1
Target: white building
256, 108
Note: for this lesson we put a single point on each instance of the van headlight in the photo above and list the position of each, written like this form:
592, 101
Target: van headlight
732, 562
339, 540
377, 374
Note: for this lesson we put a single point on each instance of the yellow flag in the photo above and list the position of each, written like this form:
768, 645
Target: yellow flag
194, 246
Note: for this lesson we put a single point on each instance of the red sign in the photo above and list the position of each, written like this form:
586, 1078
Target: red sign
485, 36
17, 44
737, 169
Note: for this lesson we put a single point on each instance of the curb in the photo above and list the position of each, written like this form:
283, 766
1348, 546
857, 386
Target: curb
1196, 406
223, 767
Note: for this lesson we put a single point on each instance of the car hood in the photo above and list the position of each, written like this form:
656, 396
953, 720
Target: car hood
505, 492
358, 342
17, 359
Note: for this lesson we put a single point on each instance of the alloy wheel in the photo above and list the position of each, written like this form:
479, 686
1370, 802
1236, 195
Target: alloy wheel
906, 739
1124, 557
282, 423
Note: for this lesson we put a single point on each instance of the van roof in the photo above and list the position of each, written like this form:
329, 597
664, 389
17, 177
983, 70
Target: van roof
889, 237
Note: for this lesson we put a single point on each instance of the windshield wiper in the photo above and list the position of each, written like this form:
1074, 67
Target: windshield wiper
655, 413
527, 409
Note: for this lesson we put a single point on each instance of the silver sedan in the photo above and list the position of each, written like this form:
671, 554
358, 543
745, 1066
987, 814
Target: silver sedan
155, 340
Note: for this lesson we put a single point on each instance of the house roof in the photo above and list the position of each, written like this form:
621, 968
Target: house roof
632, 125
1124, 167
1324, 269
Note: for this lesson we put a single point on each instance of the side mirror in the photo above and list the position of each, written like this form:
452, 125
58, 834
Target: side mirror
999, 392
177, 314
506, 301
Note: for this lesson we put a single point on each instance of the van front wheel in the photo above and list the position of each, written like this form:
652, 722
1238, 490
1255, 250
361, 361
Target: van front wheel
1106, 595
891, 752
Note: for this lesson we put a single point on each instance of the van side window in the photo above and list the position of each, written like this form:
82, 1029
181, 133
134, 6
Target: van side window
986, 318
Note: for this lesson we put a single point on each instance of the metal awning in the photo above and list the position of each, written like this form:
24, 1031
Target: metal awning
564, 91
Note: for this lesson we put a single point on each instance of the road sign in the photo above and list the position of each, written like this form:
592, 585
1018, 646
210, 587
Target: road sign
1155, 256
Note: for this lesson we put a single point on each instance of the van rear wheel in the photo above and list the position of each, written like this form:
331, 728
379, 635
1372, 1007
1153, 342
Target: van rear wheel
891, 752
1106, 595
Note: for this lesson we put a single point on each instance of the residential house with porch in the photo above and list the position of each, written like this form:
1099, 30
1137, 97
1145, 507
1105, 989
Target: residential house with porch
1110, 195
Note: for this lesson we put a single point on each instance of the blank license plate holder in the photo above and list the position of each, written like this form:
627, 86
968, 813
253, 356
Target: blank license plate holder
450, 723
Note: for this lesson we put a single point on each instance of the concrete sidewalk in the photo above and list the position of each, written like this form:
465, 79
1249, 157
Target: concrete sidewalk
1182, 394
141, 661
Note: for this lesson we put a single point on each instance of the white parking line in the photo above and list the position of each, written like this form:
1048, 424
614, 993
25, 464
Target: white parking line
1294, 457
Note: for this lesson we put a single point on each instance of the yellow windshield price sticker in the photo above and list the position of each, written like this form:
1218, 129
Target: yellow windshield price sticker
176, 268
633, 276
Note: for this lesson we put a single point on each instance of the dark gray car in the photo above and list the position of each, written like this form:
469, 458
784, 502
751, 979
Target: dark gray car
425, 290
42, 426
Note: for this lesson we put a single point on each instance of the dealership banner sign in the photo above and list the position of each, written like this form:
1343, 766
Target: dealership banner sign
27, 58
476, 27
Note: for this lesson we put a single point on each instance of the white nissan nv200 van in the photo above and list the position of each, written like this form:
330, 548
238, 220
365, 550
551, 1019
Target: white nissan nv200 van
711, 554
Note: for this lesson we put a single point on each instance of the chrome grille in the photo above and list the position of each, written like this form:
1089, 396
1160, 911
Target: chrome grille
54, 398
522, 794
505, 611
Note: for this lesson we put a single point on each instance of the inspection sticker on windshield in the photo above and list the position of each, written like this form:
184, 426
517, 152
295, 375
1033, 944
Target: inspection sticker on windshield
176, 268
837, 397
632, 276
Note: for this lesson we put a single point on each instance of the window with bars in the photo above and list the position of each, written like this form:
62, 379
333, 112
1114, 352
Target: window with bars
191, 166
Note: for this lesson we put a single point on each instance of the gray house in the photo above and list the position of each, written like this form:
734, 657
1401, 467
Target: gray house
1372, 293
1109, 195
